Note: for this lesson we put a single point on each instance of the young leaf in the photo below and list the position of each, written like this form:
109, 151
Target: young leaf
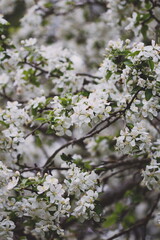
151, 64
148, 94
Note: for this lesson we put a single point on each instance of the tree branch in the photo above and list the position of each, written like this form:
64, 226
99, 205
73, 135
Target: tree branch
94, 130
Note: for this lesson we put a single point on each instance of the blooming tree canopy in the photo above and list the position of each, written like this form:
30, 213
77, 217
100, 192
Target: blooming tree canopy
79, 119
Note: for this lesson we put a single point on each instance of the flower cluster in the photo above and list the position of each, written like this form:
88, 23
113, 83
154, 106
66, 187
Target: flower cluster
12, 120
151, 175
44, 201
82, 185
134, 139
8, 180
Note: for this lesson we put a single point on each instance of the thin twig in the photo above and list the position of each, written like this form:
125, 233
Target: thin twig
32, 132
88, 75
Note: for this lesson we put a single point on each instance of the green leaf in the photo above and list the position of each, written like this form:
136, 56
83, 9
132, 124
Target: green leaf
85, 93
114, 217
128, 62
67, 158
70, 219
136, 89
98, 209
134, 53
3, 123
145, 17
70, 3
48, 100
41, 119
65, 101
148, 94
110, 220
108, 75
100, 169
87, 165
30, 76
148, 5
128, 220
119, 207
34, 111
144, 30
38, 141
48, 5
130, 125
151, 64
